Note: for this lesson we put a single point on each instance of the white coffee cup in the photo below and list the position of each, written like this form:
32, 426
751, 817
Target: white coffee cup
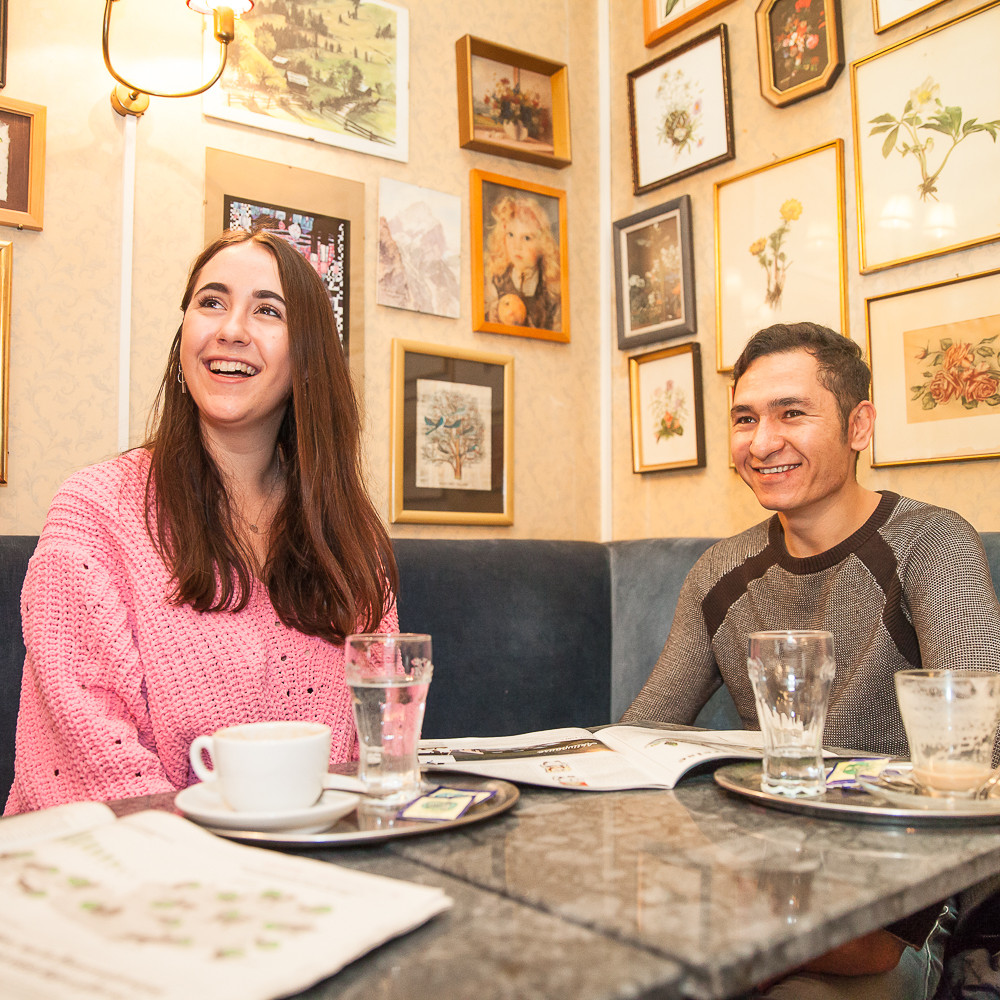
265, 766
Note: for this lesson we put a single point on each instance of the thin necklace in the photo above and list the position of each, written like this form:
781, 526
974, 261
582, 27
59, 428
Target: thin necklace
251, 525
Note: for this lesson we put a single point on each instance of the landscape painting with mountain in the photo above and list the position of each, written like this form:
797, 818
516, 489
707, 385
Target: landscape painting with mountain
336, 71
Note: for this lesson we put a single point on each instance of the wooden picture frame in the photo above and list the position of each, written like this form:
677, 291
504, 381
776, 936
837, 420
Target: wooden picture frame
887, 14
357, 96
936, 371
785, 219
680, 112
332, 215
800, 50
921, 194
512, 104
661, 18
654, 274
668, 420
452, 435
6, 281
22, 134
526, 295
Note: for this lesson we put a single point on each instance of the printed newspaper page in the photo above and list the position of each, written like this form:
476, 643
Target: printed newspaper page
151, 907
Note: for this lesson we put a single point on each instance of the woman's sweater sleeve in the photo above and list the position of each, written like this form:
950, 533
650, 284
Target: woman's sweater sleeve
83, 730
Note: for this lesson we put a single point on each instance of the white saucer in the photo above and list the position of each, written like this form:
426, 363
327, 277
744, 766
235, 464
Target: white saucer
204, 805
895, 784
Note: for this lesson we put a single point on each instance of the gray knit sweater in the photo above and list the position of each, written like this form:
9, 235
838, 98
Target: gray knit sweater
910, 588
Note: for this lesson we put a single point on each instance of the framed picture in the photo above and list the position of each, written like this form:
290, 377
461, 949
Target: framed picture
888, 13
336, 73
800, 48
322, 216
780, 248
452, 435
926, 115
668, 422
654, 274
419, 248
663, 17
520, 260
512, 104
936, 371
680, 112
22, 163
6, 277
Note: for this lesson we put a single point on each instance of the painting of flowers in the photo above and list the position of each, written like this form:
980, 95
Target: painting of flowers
914, 132
780, 248
926, 122
679, 112
936, 371
668, 427
952, 375
654, 274
771, 255
800, 48
511, 103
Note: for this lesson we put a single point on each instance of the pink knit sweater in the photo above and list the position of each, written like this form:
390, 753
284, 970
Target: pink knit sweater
118, 682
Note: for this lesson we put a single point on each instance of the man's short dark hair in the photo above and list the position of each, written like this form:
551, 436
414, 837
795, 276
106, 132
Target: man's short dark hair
842, 369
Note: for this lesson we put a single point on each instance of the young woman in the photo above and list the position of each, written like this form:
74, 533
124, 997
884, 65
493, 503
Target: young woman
208, 577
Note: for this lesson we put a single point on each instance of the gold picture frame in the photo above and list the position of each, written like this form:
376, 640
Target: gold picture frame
452, 427
668, 418
897, 12
780, 219
6, 278
920, 194
936, 371
803, 70
24, 142
539, 306
658, 23
523, 115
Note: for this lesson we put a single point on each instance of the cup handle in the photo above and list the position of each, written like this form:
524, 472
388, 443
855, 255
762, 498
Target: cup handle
197, 764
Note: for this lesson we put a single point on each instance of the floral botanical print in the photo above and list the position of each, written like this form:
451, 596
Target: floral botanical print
668, 408
958, 371
771, 254
913, 132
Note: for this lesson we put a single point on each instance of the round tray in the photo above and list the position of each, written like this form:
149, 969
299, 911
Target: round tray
367, 824
855, 805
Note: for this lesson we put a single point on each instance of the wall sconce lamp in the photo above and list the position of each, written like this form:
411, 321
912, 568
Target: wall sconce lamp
129, 99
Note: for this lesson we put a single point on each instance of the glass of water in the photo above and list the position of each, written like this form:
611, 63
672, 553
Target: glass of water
792, 673
389, 674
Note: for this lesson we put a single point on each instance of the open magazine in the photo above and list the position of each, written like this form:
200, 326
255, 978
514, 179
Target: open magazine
151, 906
613, 758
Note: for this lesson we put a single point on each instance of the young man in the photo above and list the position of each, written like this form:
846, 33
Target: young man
899, 583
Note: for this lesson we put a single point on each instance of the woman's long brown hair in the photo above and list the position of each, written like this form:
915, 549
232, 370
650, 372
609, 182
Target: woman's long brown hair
330, 569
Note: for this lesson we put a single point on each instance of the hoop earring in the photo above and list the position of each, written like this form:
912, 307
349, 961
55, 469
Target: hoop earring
180, 378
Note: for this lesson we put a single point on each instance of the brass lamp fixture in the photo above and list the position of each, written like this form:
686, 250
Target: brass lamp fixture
130, 99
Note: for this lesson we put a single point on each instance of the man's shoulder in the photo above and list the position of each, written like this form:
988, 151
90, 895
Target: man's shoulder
728, 553
915, 520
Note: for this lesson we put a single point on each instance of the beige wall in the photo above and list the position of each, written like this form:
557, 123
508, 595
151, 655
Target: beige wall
713, 501
63, 372
66, 278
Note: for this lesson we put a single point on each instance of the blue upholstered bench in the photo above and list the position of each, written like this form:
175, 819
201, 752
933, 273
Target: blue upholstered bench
527, 634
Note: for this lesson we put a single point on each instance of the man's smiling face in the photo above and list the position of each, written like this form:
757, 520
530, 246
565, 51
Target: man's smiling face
788, 441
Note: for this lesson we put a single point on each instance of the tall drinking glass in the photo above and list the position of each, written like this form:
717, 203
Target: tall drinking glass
792, 673
389, 674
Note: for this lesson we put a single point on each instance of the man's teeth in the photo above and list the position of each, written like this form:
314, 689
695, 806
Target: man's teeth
232, 368
776, 468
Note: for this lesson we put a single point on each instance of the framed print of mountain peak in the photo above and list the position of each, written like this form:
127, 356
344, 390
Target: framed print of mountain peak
926, 121
336, 72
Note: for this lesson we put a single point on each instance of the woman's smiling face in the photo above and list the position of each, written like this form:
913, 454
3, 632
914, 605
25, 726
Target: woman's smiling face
234, 341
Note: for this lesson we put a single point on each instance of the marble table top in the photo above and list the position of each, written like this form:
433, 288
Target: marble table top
690, 893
